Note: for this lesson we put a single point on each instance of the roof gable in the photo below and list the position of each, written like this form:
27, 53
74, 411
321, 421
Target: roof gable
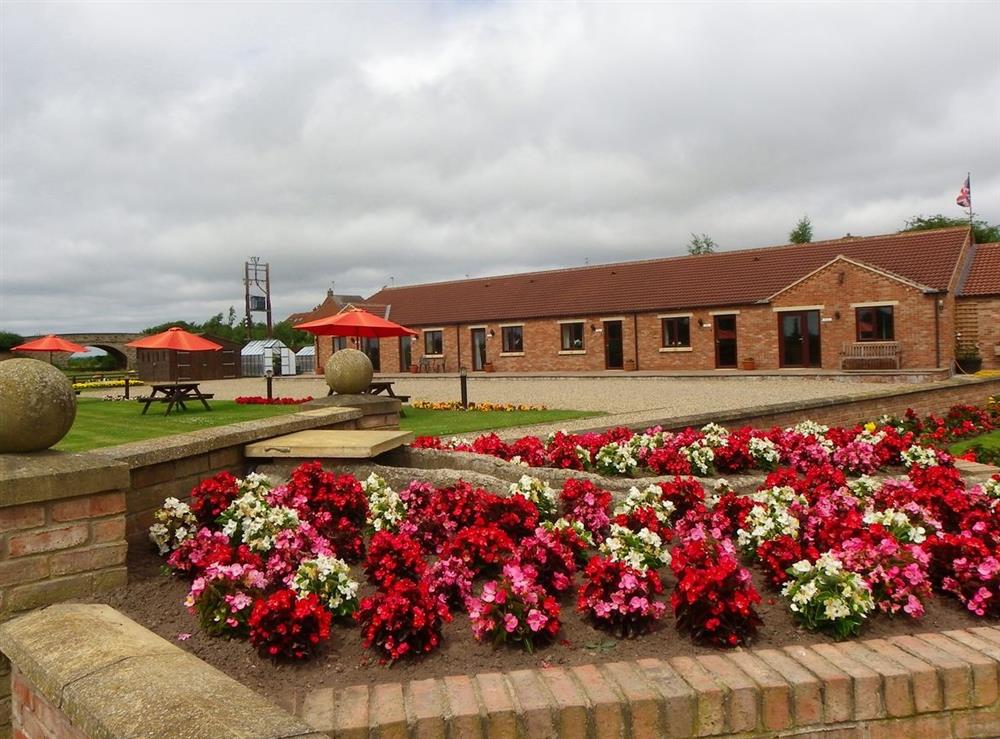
855, 263
927, 258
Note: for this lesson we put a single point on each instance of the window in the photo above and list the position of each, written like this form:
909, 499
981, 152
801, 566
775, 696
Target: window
513, 339
676, 332
875, 323
572, 336
434, 342
340, 342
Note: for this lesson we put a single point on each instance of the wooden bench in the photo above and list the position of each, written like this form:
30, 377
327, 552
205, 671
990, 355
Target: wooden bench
871, 355
166, 399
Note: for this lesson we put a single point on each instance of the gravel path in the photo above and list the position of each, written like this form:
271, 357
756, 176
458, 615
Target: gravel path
632, 399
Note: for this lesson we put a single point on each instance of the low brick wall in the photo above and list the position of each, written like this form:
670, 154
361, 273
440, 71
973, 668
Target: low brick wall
931, 686
87, 671
62, 528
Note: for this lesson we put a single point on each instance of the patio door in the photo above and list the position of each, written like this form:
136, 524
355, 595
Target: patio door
371, 348
478, 348
405, 356
798, 334
726, 354
614, 356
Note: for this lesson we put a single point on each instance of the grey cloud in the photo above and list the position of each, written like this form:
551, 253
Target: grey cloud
148, 149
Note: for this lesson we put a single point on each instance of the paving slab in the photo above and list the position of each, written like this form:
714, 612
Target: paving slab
330, 444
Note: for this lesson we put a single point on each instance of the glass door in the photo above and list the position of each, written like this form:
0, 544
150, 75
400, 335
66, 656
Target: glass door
725, 341
798, 332
478, 348
613, 354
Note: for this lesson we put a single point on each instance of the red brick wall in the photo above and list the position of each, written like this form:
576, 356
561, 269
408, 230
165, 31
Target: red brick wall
35, 717
61, 549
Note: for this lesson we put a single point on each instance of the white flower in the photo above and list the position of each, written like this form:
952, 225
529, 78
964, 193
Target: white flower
865, 486
174, 523
764, 452
539, 493
385, 507
330, 579
920, 456
649, 497
898, 523
640, 550
616, 458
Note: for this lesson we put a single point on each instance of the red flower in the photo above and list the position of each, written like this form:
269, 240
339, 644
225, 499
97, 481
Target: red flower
404, 620
211, 497
282, 625
393, 557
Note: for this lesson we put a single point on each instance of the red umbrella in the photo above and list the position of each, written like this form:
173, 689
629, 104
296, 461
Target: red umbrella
50, 343
176, 338
353, 321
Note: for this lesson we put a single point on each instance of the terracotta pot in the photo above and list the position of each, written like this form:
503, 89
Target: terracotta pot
414, 369
748, 363
488, 367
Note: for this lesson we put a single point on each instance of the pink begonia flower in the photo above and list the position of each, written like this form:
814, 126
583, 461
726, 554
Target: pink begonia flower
629, 582
560, 581
914, 607
510, 622
536, 619
489, 592
602, 608
988, 568
239, 601
183, 636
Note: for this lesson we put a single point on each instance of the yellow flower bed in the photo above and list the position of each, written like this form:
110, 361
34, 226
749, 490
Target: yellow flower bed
97, 384
454, 405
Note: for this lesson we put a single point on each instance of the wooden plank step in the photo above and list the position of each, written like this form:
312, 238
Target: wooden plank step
330, 444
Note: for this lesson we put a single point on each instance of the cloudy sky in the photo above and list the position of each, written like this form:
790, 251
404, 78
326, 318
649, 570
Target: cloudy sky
148, 149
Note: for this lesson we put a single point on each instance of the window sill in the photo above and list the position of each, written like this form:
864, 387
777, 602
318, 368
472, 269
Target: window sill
573, 351
665, 349
511, 354
434, 356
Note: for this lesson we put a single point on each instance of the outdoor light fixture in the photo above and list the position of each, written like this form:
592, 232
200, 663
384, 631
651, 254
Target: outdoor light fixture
836, 314
492, 333
701, 323
269, 375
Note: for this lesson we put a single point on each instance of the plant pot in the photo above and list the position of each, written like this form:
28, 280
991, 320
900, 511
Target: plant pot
414, 369
970, 365
630, 365
748, 363
488, 367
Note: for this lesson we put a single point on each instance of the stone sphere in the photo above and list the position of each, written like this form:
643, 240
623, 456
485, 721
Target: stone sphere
37, 405
349, 371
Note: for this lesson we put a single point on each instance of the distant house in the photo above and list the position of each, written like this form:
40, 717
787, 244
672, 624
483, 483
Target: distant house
791, 306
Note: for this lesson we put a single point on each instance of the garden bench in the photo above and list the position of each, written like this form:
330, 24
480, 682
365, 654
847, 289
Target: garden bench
871, 355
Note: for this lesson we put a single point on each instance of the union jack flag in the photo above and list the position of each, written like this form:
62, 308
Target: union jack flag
964, 198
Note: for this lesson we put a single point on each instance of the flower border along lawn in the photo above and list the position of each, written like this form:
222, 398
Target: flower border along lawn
988, 443
101, 423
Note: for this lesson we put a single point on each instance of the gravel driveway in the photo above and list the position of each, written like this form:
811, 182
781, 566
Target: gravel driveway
632, 399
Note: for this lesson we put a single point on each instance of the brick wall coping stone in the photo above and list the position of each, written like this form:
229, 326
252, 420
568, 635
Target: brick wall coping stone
52, 475
112, 678
192, 443
925, 686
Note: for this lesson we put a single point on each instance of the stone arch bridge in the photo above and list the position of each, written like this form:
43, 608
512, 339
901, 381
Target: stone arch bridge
113, 344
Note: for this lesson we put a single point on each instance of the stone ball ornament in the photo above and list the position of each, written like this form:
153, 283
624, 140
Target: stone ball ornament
37, 405
349, 371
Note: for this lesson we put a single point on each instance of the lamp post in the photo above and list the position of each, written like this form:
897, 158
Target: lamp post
463, 379
269, 376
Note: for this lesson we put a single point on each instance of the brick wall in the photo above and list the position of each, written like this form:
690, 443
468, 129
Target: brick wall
835, 287
60, 547
933, 686
34, 716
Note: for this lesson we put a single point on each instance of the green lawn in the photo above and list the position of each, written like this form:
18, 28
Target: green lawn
101, 423
425, 422
989, 442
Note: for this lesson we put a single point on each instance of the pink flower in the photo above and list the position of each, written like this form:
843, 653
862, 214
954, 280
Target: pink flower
536, 619
510, 622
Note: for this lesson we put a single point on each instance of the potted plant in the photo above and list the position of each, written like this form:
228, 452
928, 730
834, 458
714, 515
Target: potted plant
967, 358
414, 368
748, 363
488, 367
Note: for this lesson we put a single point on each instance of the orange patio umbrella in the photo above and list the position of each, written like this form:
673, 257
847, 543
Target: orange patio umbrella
50, 344
176, 338
355, 322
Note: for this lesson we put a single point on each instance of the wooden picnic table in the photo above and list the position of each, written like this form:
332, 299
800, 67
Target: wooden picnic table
378, 387
174, 394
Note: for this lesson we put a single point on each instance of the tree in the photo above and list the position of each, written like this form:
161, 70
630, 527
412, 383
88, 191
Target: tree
701, 244
9, 339
802, 233
983, 231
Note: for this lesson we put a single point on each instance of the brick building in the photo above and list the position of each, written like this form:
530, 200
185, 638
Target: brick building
791, 306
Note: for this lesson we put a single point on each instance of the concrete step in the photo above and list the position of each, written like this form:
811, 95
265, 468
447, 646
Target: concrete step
332, 444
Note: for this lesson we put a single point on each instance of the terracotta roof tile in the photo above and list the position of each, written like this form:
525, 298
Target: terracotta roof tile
984, 274
724, 278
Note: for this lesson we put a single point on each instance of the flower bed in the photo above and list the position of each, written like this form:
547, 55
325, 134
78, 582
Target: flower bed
838, 547
99, 384
454, 405
258, 400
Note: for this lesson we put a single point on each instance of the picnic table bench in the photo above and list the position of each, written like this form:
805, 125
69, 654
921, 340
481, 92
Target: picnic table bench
378, 387
871, 355
175, 394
